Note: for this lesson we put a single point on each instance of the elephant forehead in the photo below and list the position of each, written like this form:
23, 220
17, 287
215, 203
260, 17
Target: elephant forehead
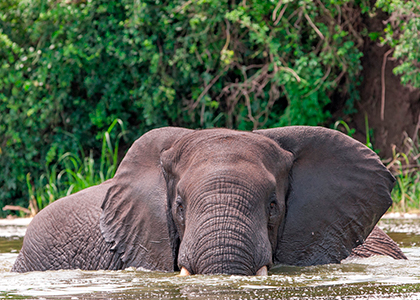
204, 153
212, 180
226, 147
244, 174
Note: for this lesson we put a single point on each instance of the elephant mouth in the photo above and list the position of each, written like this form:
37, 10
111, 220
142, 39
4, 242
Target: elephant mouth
263, 271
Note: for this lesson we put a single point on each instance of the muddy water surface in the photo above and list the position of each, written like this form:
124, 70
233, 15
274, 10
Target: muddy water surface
371, 278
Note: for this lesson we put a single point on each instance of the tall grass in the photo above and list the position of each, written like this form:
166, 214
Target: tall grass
351, 131
73, 172
405, 166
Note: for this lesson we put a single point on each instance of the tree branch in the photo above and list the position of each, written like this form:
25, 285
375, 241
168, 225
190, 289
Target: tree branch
383, 83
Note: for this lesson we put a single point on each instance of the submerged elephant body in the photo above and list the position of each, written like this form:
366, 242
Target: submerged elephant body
220, 202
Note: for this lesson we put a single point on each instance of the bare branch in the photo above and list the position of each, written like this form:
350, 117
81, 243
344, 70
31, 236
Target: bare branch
15, 207
253, 67
383, 83
314, 27
273, 17
281, 14
287, 69
248, 106
207, 88
227, 36
182, 6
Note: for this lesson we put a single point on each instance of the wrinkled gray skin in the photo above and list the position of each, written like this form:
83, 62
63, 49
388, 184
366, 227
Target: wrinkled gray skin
221, 201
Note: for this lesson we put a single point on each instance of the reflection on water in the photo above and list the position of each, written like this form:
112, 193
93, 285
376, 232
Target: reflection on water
372, 278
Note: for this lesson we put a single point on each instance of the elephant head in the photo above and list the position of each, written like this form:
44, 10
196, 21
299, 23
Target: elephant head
222, 201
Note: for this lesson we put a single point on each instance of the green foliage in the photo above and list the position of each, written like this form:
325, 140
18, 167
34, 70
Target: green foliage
69, 68
74, 171
402, 34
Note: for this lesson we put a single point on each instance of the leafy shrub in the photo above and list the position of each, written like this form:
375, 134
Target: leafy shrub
402, 34
69, 68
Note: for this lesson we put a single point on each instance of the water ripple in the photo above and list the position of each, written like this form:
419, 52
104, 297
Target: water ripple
370, 278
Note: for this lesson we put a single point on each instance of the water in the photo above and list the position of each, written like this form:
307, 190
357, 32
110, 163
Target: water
371, 278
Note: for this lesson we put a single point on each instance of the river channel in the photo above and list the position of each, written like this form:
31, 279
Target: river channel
370, 278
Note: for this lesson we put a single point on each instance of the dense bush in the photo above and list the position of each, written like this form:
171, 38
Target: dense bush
68, 69
402, 34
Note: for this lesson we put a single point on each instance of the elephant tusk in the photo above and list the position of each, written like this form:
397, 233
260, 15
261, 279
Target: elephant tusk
184, 272
262, 272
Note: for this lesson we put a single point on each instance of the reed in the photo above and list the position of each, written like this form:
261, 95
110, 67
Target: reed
405, 166
73, 172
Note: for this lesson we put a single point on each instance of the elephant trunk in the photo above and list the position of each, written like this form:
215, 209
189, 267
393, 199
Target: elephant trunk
225, 240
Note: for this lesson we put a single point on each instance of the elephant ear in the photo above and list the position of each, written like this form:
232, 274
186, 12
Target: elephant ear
338, 190
134, 211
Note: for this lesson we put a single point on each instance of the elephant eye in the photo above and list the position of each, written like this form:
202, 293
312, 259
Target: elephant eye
272, 208
180, 208
178, 214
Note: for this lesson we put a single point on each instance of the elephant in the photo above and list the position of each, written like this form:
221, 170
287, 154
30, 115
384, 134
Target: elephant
221, 201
